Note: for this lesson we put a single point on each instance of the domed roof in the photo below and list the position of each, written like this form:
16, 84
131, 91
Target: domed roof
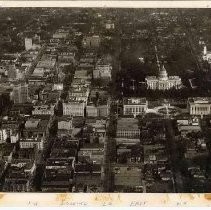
163, 74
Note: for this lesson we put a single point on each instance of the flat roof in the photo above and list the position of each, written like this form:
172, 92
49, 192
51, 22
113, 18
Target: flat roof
127, 124
127, 175
200, 100
134, 101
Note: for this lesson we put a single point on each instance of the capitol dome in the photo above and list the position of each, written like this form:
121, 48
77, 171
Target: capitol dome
163, 74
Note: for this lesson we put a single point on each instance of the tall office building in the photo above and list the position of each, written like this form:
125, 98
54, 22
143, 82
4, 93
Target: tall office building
20, 93
28, 43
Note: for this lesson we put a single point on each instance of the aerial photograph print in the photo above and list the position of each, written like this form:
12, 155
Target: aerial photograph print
105, 100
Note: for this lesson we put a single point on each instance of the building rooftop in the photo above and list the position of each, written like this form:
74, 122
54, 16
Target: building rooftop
46, 64
32, 123
64, 118
127, 175
58, 161
19, 168
200, 100
83, 168
88, 179
134, 101
92, 146
6, 149
127, 124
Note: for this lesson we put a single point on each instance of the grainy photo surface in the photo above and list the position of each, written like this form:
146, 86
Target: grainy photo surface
105, 100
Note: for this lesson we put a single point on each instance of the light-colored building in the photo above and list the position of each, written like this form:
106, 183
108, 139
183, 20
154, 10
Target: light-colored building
79, 92
65, 126
97, 111
91, 41
128, 131
74, 108
20, 93
61, 34
3, 136
32, 142
94, 152
14, 73
189, 125
28, 43
206, 55
58, 86
134, 106
109, 25
91, 110
199, 106
32, 43
14, 137
36, 128
64, 123
77, 82
43, 110
163, 81
82, 74
95, 130
48, 64
102, 71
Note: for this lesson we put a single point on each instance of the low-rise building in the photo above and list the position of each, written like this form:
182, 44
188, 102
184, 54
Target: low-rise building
33, 142
58, 176
43, 109
58, 86
78, 82
74, 108
95, 130
61, 34
79, 94
91, 110
102, 70
91, 41
128, 131
93, 152
194, 148
101, 110
82, 74
10, 127
127, 178
65, 126
130, 154
3, 136
189, 125
59, 169
88, 177
109, 25
134, 106
98, 104
36, 128
19, 176
199, 106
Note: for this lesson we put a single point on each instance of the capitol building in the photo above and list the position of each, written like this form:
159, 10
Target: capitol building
163, 81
